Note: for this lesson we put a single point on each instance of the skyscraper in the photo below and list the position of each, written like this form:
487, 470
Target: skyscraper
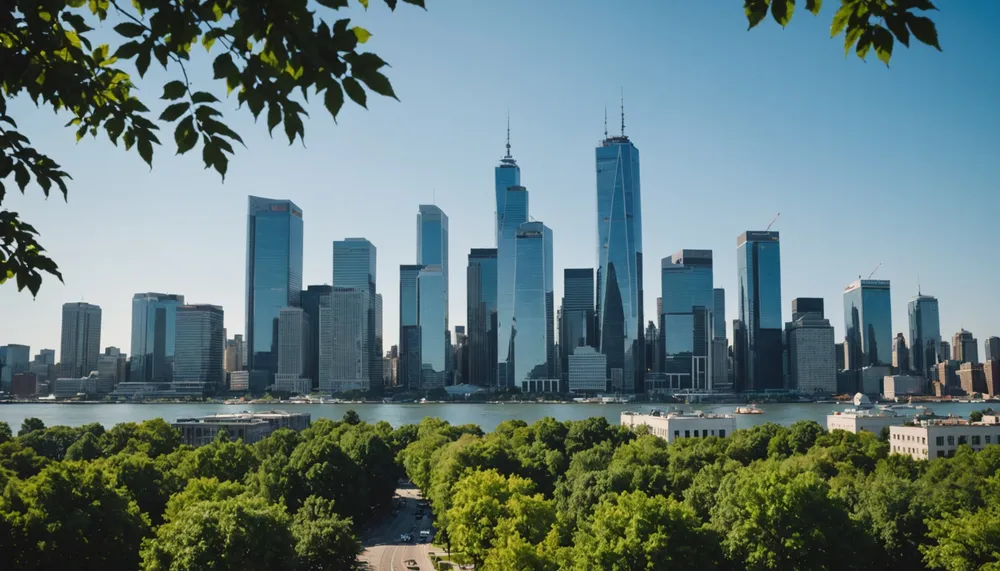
154, 336
354, 263
966, 347
868, 324
408, 368
274, 275
431, 317
719, 313
812, 361
313, 298
506, 175
620, 323
577, 325
81, 339
925, 334
481, 301
534, 307
199, 345
758, 362
688, 321
293, 342
344, 361
993, 349
234, 354
900, 354
515, 213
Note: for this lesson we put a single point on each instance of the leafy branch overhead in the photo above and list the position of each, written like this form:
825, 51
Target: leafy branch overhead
272, 53
866, 24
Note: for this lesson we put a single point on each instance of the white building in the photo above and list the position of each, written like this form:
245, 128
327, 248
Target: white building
673, 425
588, 370
811, 360
859, 420
294, 384
894, 386
293, 341
343, 350
940, 438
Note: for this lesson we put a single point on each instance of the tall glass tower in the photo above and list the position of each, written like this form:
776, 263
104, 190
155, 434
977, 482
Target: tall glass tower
687, 319
432, 317
577, 313
200, 338
154, 336
758, 268
925, 333
81, 339
534, 334
515, 214
868, 323
619, 253
481, 296
274, 275
505, 175
354, 262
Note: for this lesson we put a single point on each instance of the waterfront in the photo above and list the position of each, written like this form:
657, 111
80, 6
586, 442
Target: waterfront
487, 416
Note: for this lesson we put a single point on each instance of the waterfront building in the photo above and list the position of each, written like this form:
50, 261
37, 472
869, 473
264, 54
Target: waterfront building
758, 355
859, 420
24, 385
896, 386
576, 328
620, 322
972, 378
652, 339
940, 438
720, 344
812, 364
838, 352
991, 372
154, 336
515, 213
673, 425
293, 342
719, 313
900, 354
868, 323
481, 316
235, 354
14, 359
81, 339
992, 349
250, 427
534, 331
409, 328
112, 369
200, 339
343, 342
433, 326
312, 299
925, 334
45, 357
588, 371
354, 267
687, 320
274, 275
870, 379
965, 347
239, 381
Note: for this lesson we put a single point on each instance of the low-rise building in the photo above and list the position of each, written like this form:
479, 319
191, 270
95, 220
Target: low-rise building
894, 386
239, 381
250, 427
293, 384
940, 438
588, 371
24, 385
66, 388
671, 425
864, 420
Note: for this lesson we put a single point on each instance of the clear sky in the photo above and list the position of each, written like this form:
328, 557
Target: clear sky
866, 164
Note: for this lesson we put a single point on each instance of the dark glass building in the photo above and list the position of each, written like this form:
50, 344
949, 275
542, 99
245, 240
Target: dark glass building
534, 332
803, 305
154, 336
515, 213
868, 324
688, 324
577, 326
759, 361
199, 345
408, 368
354, 263
925, 334
481, 298
274, 275
312, 299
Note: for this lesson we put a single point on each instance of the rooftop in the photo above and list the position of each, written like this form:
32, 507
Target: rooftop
668, 414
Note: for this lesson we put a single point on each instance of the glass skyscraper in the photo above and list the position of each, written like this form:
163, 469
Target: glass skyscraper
925, 334
313, 298
619, 252
758, 363
408, 369
506, 175
687, 319
199, 345
431, 315
534, 334
481, 296
274, 275
154, 336
81, 339
354, 263
719, 313
577, 325
515, 213
868, 323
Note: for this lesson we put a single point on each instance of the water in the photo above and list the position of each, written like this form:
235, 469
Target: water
487, 416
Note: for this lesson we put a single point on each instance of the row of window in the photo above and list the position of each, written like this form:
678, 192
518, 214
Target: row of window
977, 439
704, 433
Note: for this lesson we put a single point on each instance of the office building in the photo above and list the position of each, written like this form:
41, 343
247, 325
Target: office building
199, 345
408, 368
234, 354
718, 313
673, 425
431, 316
972, 378
900, 354
902, 386
481, 316
992, 349
112, 368
576, 328
620, 321
515, 213
343, 341
588, 371
925, 334
856, 421
14, 360
534, 305
802, 306
812, 364
354, 267
991, 373
505, 175
758, 355
81, 339
312, 299
868, 324
293, 343
250, 427
154, 336
460, 357
838, 353
941, 437
274, 275
965, 347
652, 339
687, 322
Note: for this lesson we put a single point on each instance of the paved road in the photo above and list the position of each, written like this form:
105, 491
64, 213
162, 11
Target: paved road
383, 549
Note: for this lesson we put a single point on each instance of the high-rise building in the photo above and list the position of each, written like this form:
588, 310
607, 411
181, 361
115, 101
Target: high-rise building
408, 367
839, 355
234, 354
274, 275
688, 324
515, 213
112, 367
812, 363
354, 263
481, 318
868, 324
313, 298
620, 323
804, 305
965, 347
720, 344
154, 336
199, 342
344, 360
534, 305
48, 356
293, 342
925, 334
460, 351
506, 175
993, 349
14, 360
81, 339
900, 354
376, 377
431, 317
758, 359
577, 323
652, 338
718, 312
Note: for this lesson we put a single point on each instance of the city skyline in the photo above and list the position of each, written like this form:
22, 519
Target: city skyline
552, 179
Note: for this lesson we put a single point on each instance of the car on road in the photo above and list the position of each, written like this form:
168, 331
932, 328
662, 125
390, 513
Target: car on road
405, 537
411, 564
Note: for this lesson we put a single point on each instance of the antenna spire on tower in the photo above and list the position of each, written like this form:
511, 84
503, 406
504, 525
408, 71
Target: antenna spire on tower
508, 134
623, 111
605, 122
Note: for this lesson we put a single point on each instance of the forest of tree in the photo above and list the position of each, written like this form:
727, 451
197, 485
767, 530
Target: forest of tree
551, 495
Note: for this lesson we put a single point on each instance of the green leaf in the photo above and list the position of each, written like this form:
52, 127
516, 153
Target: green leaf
142, 62
355, 91
273, 116
755, 10
851, 37
865, 42
114, 127
897, 26
361, 34
923, 29
174, 90
173, 112
814, 6
364, 3
841, 18
379, 84
129, 30
203, 97
416, 3
21, 176
882, 40
391, 4
146, 150
781, 11
334, 100
335, 4
185, 136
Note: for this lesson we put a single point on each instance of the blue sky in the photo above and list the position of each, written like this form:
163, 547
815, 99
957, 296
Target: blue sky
865, 164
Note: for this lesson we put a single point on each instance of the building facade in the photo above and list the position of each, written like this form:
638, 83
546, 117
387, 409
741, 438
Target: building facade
992, 349
925, 334
433, 325
868, 325
408, 371
588, 371
576, 328
354, 267
343, 360
758, 356
200, 339
900, 354
965, 347
687, 324
312, 299
940, 438
534, 305
481, 316
293, 342
154, 336
515, 213
81, 339
674, 425
812, 365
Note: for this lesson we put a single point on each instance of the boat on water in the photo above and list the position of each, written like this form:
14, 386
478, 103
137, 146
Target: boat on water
752, 409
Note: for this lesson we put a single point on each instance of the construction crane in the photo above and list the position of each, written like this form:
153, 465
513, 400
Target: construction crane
773, 220
875, 270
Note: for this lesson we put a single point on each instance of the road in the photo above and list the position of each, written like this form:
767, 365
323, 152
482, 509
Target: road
383, 549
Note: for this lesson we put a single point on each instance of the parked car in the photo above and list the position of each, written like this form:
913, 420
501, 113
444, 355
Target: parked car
405, 537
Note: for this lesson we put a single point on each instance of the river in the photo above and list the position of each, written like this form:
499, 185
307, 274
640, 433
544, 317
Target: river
487, 416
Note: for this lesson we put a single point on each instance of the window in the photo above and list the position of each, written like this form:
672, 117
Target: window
722, 433
940, 440
713, 433
963, 439
696, 434
951, 441
987, 438
975, 440
677, 434
687, 434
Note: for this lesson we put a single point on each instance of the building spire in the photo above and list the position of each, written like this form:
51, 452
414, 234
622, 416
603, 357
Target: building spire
508, 135
605, 122
623, 111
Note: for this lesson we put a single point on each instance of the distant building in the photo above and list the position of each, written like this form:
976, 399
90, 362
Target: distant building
534, 305
313, 298
896, 386
871, 379
248, 427
588, 371
868, 322
408, 371
940, 438
864, 418
433, 288
687, 320
81, 339
757, 345
991, 372
577, 324
344, 335
993, 349
199, 346
812, 365
235, 354
239, 381
925, 334
802, 306
965, 347
14, 359
900, 354
112, 368
481, 316
293, 342
972, 378
154, 336
947, 378
24, 385
838, 353
673, 425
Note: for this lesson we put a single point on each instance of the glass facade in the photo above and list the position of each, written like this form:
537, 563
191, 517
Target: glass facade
534, 342
577, 324
408, 372
274, 275
199, 345
505, 175
481, 296
868, 323
620, 324
687, 320
759, 363
515, 214
81, 339
925, 334
719, 313
434, 345
354, 263
313, 298
154, 336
